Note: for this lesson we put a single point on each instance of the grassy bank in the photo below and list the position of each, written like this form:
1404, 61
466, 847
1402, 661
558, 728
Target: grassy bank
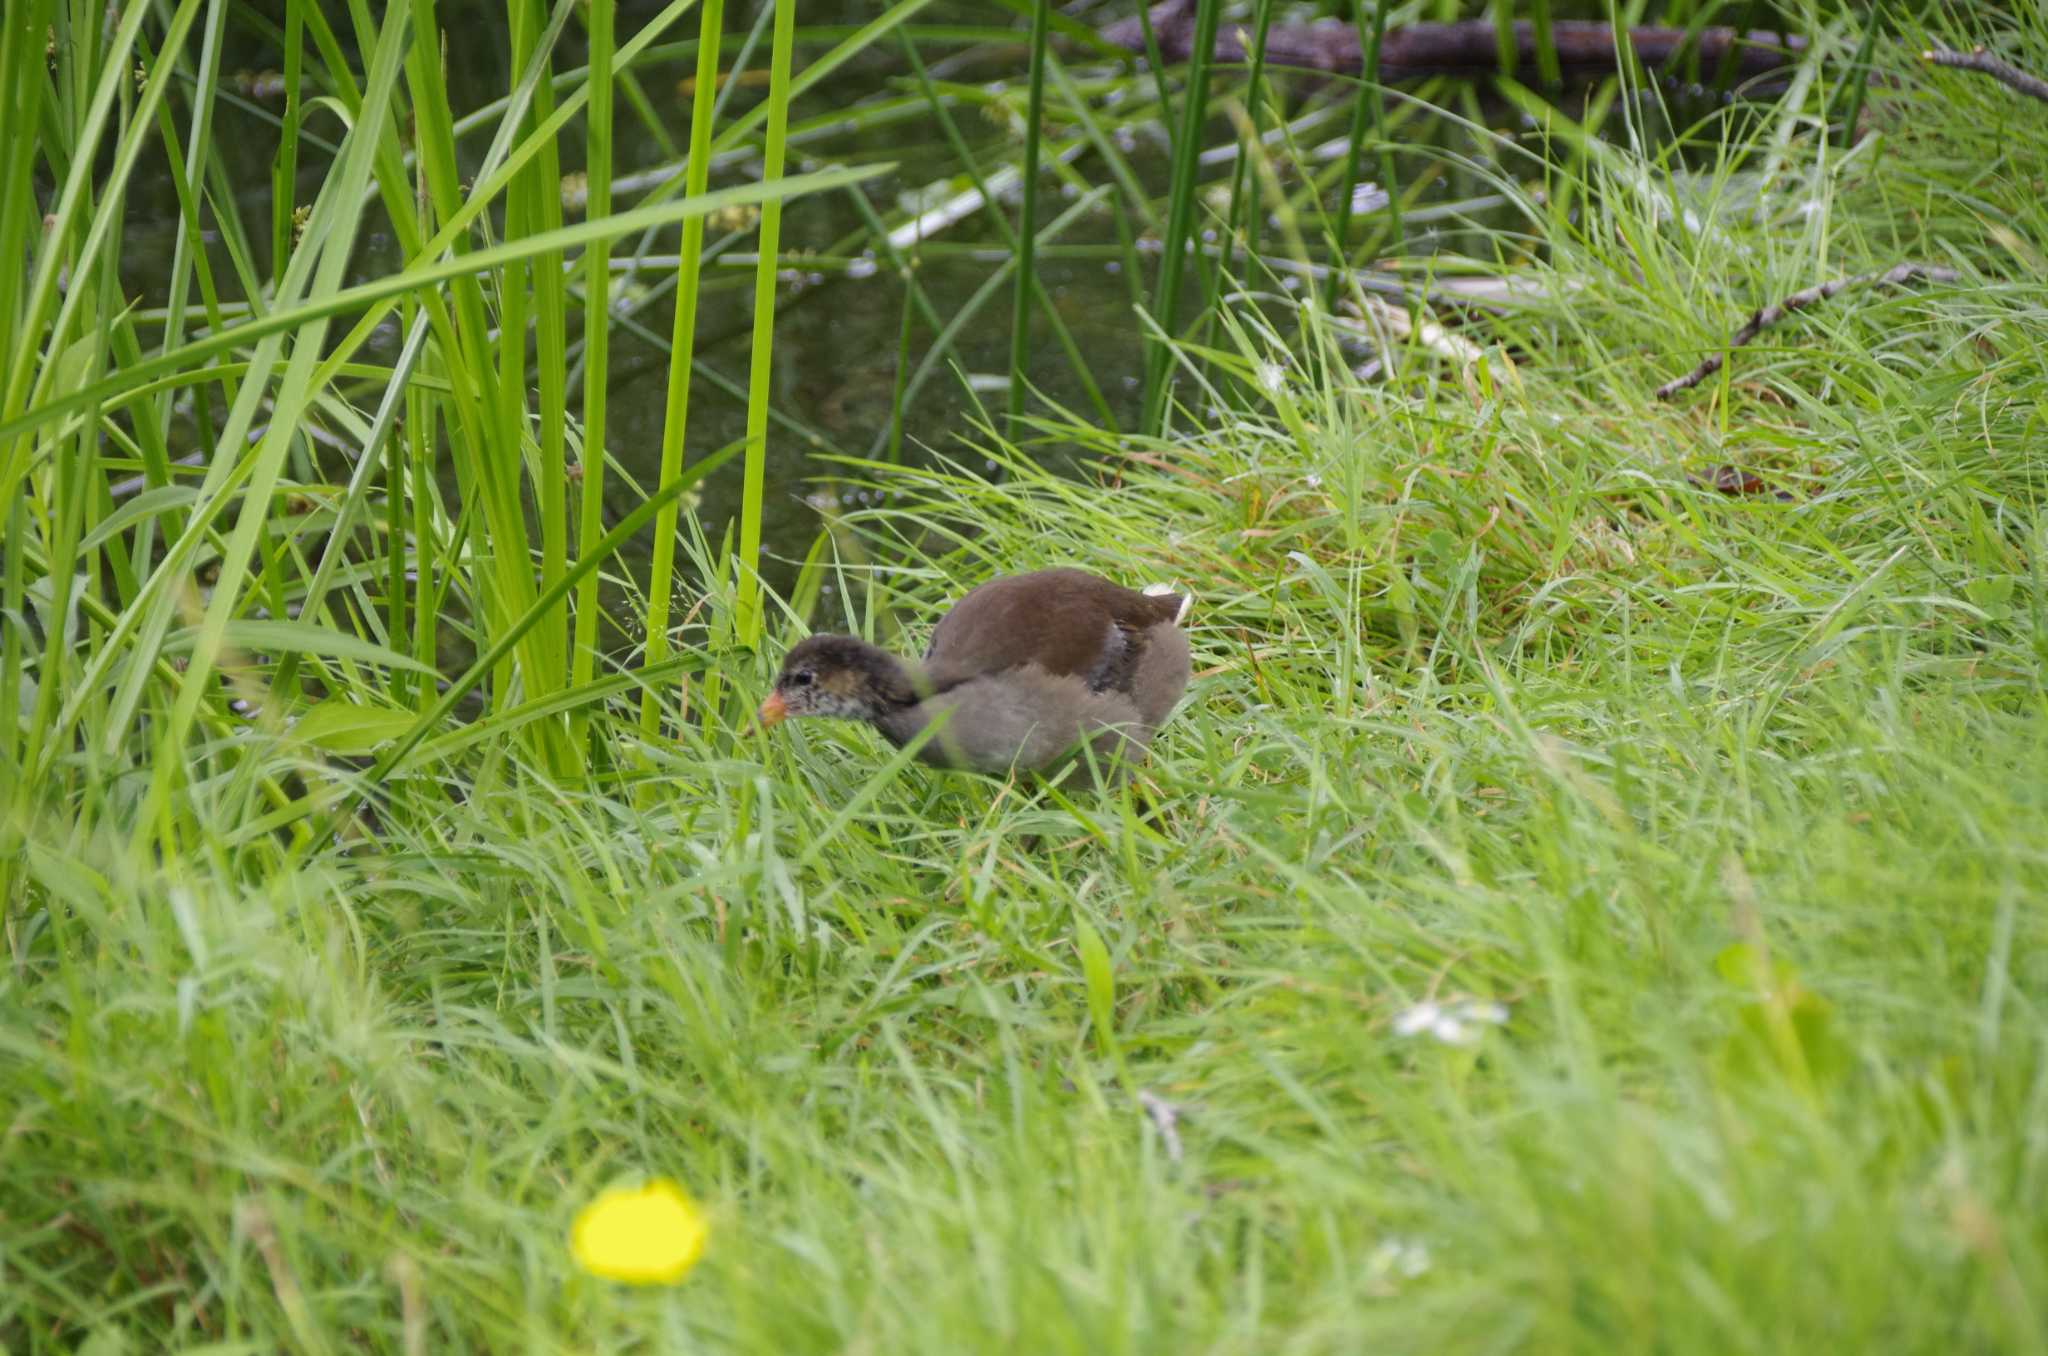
1578, 907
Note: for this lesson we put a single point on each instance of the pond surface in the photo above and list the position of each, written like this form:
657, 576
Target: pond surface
838, 328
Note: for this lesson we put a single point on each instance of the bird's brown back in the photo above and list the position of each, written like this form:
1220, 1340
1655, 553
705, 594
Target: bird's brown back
1058, 619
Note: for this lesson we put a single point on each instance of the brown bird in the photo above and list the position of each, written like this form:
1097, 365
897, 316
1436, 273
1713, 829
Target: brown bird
1022, 671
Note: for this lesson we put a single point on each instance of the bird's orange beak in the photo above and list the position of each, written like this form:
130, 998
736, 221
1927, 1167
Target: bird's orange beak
773, 711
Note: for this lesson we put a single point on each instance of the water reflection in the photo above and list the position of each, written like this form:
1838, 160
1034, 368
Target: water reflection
841, 314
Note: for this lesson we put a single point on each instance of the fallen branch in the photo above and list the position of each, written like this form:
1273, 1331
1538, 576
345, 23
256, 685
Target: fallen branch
1385, 323
1984, 63
1468, 48
1798, 301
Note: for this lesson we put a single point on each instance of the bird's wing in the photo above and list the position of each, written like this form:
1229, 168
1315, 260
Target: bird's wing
1067, 622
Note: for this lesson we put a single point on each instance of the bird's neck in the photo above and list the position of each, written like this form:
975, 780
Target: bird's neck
901, 724
898, 685
902, 688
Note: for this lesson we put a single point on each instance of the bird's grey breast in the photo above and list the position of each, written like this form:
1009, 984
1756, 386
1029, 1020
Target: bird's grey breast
1112, 667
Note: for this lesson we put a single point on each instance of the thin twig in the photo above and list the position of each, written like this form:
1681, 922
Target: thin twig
1777, 311
1982, 62
1165, 1117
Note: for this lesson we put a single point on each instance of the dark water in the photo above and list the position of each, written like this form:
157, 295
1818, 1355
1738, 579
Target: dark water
836, 337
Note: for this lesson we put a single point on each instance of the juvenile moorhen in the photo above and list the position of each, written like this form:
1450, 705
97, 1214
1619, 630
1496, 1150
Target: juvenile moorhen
1019, 673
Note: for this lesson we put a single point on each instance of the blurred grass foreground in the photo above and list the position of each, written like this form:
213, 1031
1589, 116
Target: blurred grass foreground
1593, 898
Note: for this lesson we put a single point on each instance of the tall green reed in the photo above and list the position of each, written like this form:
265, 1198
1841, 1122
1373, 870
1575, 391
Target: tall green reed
177, 628
1027, 216
597, 292
747, 575
1180, 240
682, 343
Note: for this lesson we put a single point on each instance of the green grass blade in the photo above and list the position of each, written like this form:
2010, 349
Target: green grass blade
682, 345
747, 576
1027, 221
502, 645
597, 294
1177, 245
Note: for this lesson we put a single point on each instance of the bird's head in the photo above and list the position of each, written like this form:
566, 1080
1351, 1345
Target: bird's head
836, 676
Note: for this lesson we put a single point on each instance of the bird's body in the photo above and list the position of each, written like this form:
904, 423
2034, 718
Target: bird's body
1022, 671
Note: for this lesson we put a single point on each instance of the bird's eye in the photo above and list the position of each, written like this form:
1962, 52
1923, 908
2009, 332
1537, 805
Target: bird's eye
801, 678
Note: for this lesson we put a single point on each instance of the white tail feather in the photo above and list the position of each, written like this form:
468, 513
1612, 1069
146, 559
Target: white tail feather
1187, 599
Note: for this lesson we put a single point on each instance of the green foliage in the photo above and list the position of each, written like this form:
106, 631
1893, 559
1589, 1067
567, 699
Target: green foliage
1591, 899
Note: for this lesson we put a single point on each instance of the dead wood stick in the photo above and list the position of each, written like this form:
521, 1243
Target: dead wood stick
1468, 47
1984, 63
1778, 310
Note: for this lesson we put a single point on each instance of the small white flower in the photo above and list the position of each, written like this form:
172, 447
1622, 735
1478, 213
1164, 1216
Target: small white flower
1400, 1258
1458, 1022
1417, 1019
1272, 376
1368, 197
